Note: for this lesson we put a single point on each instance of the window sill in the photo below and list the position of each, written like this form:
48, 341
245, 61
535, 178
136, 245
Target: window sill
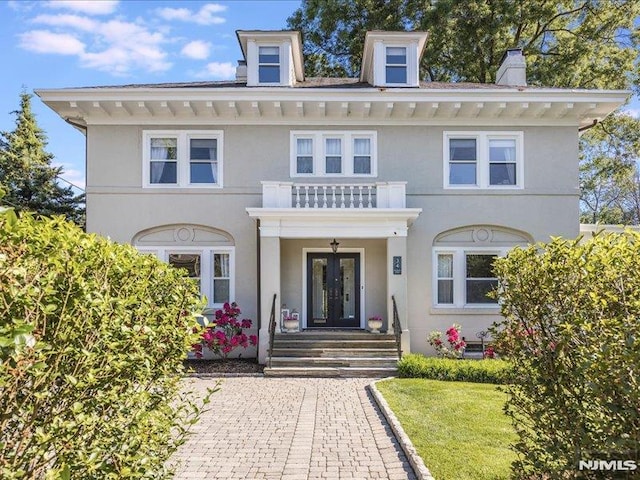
471, 310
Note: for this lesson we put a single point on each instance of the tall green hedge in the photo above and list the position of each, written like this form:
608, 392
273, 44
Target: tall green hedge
92, 338
572, 334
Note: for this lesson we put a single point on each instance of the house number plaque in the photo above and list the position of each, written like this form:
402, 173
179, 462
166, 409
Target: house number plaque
397, 265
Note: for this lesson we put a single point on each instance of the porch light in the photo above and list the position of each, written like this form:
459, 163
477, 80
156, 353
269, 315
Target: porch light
334, 246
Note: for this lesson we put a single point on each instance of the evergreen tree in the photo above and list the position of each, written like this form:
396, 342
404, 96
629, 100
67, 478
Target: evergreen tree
26, 173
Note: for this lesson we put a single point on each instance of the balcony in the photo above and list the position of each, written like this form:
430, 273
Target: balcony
333, 195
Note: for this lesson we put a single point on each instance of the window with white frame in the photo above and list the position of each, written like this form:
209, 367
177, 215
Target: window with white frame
483, 160
212, 269
396, 65
464, 277
269, 64
333, 154
182, 158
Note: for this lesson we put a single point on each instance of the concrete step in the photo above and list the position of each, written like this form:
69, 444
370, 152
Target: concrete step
339, 335
360, 362
344, 372
335, 352
332, 343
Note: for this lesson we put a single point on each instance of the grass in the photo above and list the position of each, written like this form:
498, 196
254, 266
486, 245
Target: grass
458, 428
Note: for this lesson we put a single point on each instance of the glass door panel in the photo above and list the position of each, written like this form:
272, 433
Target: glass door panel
319, 294
333, 290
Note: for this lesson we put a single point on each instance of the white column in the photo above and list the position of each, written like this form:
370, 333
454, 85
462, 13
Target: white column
397, 286
269, 285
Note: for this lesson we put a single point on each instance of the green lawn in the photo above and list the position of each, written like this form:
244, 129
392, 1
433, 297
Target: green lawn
458, 428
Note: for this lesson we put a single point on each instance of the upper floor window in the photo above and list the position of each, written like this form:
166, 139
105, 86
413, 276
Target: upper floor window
483, 159
333, 153
396, 65
269, 64
182, 159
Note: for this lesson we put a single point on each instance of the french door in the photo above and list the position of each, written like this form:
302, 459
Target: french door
333, 290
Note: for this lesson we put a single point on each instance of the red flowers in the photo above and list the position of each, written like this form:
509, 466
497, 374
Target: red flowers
225, 335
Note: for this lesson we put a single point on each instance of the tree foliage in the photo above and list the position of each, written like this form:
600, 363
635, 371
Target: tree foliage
92, 340
609, 174
26, 172
572, 334
567, 43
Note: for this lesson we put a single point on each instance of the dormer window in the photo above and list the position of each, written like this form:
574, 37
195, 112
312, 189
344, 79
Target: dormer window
273, 58
396, 65
268, 64
392, 59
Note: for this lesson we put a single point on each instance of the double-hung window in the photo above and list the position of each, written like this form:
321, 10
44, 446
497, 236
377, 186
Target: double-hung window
464, 278
396, 65
333, 154
483, 160
182, 159
211, 269
269, 64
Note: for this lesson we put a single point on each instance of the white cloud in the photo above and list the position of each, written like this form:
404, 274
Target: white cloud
71, 175
90, 7
634, 112
198, 50
114, 46
44, 41
219, 71
72, 21
204, 16
129, 46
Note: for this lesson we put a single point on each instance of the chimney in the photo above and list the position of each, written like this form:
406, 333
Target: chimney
241, 71
513, 70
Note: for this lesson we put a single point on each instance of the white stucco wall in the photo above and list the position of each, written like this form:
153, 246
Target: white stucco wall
119, 207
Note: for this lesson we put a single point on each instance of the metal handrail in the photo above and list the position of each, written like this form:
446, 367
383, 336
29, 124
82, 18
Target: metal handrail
272, 329
397, 328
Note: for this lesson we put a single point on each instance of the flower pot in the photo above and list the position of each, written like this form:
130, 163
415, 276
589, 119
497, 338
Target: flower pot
375, 325
290, 325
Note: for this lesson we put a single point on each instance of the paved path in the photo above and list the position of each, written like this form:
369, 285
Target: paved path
291, 429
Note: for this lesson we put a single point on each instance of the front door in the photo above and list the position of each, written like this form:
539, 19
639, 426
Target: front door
333, 290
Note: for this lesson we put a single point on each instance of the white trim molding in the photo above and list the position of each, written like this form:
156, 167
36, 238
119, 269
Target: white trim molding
183, 160
483, 162
308, 250
459, 276
207, 278
347, 152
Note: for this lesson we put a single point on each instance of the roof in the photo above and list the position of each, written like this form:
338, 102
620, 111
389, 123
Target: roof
314, 82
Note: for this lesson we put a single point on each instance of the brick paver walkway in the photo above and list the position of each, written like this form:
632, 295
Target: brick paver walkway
291, 429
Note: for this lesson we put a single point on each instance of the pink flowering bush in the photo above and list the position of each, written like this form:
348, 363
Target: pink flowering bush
455, 347
225, 334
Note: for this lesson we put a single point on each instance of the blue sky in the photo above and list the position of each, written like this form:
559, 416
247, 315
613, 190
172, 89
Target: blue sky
75, 43
55, 44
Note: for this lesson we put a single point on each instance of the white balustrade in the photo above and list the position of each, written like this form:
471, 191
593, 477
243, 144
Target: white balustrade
333, 195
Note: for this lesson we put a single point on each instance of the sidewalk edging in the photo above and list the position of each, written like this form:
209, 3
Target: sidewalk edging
419, 468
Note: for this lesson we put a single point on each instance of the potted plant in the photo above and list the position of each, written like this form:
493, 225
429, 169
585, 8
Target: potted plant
375, 324
291, 323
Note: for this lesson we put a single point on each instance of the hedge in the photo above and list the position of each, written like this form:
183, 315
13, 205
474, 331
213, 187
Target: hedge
415, 365
571, 330
92, 339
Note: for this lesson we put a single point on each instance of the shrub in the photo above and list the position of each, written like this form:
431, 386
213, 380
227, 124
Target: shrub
572, 332
92, 338
416, 365
456, 344
225, 333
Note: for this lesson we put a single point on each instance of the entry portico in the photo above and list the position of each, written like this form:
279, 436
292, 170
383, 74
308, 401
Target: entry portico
298, 222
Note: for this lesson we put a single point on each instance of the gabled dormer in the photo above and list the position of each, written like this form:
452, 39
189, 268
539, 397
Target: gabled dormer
274, 58
392, 59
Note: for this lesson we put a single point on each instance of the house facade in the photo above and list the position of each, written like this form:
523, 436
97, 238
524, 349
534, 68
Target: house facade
335, 195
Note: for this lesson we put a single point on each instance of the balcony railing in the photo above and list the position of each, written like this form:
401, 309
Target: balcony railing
333, 195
